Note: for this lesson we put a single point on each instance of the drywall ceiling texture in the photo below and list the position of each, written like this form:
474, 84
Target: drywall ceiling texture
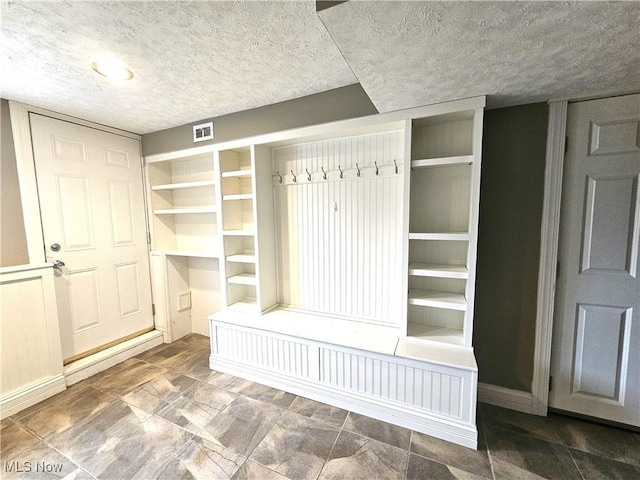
191, 60
418, 53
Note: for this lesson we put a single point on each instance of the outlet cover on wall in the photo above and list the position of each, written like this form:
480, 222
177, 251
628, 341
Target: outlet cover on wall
184, 301
202, 132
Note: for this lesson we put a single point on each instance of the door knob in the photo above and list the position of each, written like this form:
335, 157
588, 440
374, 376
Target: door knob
55, 247
58, 264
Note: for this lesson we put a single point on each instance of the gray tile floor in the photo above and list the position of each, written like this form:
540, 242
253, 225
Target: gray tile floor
165, 415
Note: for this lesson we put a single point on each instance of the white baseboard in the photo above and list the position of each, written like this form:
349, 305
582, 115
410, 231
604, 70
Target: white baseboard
31, 395
86, 367
505, 397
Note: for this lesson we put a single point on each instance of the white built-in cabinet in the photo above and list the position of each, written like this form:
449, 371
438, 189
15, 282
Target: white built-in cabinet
335, 261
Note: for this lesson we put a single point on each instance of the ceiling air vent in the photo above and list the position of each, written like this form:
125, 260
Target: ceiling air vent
202, 132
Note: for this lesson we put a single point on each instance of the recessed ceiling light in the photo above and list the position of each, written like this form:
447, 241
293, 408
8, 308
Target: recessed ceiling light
113, 69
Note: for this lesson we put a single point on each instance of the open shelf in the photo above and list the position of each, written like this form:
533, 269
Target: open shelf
243, 279
241, 258
442, 161
248, 305
239, 233
457, 236
239, 196
178, 186
453, 336
174, 211
192, 253
438, 270
237, 173
434, 298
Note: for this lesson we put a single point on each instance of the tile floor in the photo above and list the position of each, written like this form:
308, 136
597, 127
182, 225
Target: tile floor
165, 415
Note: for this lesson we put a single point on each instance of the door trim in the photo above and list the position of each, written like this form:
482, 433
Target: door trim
549, 236
27, 179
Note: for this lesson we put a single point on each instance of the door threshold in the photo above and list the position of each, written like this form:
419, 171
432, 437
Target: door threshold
80, 369
106, 346
600, 421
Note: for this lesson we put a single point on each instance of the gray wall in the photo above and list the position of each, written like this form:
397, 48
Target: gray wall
13, 241
511, 196
337, 104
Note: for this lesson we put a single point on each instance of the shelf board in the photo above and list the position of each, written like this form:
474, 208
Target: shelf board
243, 233
178, 186
243, 279
248, 305
437, 270
238, 196
174, 211
453, 336
241, 258
434, 298
456, 236
192, 253
442, 161
237, 173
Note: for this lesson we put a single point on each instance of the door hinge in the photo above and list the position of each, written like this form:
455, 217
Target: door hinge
153, 309
550, 383
566, 145
148, 238
558, 269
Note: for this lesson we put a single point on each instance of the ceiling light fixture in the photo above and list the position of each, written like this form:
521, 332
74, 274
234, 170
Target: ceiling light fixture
113, 69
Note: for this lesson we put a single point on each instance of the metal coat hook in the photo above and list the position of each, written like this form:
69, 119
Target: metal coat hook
308, 174
358, 169
279, 176
377, 170
294, 177
396, 164
324, 174
341, 172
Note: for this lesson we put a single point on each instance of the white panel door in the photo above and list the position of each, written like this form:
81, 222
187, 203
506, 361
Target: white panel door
91, 195
596, 337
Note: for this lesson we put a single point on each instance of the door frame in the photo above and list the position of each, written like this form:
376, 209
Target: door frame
549, 237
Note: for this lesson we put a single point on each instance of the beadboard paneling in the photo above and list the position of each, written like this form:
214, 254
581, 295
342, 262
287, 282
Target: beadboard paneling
419, 387
339, 241
29, 333
268, 352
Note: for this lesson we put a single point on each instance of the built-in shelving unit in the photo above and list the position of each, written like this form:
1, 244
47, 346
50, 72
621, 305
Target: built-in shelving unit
335, 261
237, 171
183, 202
444, 186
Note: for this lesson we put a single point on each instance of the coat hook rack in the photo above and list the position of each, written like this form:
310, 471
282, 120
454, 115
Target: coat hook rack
294, 177
396, 164
358, 169
341, 172
279, 177
324, 174
308, 174
377, 170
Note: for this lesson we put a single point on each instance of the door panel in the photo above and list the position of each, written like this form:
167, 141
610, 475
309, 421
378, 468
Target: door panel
611, 213
596, 337
91, 195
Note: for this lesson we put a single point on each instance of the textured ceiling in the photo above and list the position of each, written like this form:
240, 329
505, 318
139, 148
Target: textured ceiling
201, 59
191, 60
419, 53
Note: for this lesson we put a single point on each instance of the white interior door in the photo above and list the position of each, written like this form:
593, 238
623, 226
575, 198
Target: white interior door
596, 336
91, 195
